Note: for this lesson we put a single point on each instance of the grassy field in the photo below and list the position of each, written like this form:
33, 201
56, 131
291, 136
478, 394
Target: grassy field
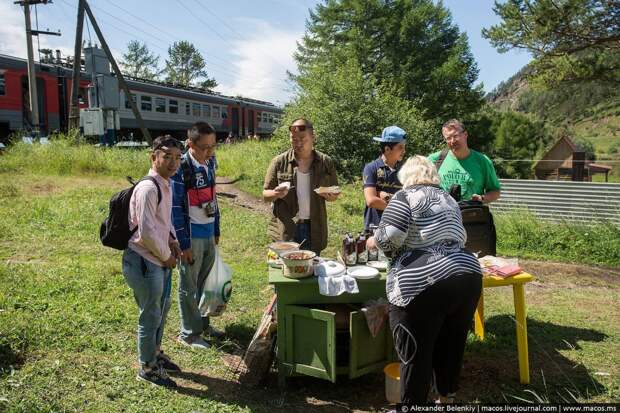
67, 318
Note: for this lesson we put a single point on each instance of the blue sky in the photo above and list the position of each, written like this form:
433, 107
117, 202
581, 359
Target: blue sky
248, 45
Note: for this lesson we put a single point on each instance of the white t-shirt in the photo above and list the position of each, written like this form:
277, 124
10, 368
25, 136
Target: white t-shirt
303, 194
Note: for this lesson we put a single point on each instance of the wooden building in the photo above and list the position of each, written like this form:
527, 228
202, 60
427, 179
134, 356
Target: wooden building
565, 161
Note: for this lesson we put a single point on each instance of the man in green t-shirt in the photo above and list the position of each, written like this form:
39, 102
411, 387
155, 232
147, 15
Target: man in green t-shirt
470, 169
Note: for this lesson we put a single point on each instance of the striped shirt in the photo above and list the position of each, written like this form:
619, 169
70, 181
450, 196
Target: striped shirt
422, 231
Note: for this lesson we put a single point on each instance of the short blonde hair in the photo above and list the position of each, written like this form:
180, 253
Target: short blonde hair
418, 170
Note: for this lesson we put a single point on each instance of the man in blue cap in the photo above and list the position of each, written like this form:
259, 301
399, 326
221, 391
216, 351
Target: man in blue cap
380, 176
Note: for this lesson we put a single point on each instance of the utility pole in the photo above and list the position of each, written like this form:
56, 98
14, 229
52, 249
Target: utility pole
74, 116
32, 80
74, 105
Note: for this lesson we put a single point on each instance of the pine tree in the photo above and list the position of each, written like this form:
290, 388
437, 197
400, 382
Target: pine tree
571, 40
412, 45
138, 61
185, 66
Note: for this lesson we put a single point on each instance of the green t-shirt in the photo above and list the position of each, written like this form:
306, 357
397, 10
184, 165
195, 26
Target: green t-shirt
475, 174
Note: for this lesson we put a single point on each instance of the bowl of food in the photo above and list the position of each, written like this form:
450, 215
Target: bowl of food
298, 264
278, 248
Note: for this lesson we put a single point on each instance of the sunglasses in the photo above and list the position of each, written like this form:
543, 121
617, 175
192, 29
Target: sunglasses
299, 128
205, 147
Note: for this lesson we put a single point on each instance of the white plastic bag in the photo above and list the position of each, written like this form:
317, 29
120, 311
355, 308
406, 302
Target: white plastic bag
217, 288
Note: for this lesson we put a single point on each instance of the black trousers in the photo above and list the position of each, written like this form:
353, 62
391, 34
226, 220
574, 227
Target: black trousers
430, 334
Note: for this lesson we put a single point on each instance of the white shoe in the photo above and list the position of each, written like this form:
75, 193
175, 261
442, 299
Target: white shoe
194, 342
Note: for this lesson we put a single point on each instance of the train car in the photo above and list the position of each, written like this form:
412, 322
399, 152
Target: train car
165, 108
54, 93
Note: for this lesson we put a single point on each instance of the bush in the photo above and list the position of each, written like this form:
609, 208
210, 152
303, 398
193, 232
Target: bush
348, 109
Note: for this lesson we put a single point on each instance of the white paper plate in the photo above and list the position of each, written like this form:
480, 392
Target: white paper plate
380, 265
362, 272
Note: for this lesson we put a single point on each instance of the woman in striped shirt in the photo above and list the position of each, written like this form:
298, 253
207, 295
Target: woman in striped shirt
433, 285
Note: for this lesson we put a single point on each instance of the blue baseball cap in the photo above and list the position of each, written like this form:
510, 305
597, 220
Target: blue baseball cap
391, 134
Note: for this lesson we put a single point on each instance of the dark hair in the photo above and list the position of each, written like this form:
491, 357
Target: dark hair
306, 122
390, 145
166, 141
199, 129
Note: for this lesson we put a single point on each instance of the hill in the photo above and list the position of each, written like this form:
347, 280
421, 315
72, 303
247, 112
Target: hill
588, 111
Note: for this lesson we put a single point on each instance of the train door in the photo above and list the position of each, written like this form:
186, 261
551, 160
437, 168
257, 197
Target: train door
41, 104
234, 123
63, 108
251, 130
244, 124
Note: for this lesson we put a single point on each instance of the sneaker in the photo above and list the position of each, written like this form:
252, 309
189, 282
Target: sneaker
194, 342
214, 333
156, 376
165, 363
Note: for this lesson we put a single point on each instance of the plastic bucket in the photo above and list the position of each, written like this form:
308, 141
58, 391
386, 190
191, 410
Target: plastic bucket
392, 382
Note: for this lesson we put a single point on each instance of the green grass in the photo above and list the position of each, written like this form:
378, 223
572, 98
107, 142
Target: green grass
68, 320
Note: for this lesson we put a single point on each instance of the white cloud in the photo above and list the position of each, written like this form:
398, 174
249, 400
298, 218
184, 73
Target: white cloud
261, 62
12, 31
13, 34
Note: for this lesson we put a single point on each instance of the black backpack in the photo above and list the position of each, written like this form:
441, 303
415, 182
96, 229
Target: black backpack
114, 231
477, 219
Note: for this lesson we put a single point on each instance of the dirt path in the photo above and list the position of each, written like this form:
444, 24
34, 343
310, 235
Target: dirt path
226, 188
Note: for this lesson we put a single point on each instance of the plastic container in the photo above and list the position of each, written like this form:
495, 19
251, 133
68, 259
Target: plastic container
392, 382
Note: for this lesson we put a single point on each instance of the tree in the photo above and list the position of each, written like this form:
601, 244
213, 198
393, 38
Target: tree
185, 65
518, 140
571, 40
411, 45
138, 61
348, 108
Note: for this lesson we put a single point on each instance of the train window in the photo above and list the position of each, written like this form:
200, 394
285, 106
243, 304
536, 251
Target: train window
270, 118
160, 105
127, 105
173, 106
2, 84
188, 111
216, 112
265, 117
196, 109
224, 113
145, 103
206, 110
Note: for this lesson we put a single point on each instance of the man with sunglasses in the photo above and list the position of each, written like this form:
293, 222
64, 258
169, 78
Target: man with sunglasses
150, 256
381, 175
299, 213
196, 219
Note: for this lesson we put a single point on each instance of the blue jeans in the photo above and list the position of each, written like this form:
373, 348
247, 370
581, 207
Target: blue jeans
303, 233
191, 281
151, 285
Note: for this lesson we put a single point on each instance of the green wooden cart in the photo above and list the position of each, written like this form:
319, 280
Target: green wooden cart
311, 342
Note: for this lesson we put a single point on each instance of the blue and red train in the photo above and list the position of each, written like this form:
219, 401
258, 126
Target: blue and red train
165, 108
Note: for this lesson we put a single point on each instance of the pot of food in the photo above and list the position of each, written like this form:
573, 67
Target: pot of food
276, 249
298, 264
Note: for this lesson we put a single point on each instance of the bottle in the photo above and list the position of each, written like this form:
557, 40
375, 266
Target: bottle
362, 253
349, 252
373, 254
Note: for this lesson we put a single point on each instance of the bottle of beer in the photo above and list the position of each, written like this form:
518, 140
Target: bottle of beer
362, 253
349, 251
